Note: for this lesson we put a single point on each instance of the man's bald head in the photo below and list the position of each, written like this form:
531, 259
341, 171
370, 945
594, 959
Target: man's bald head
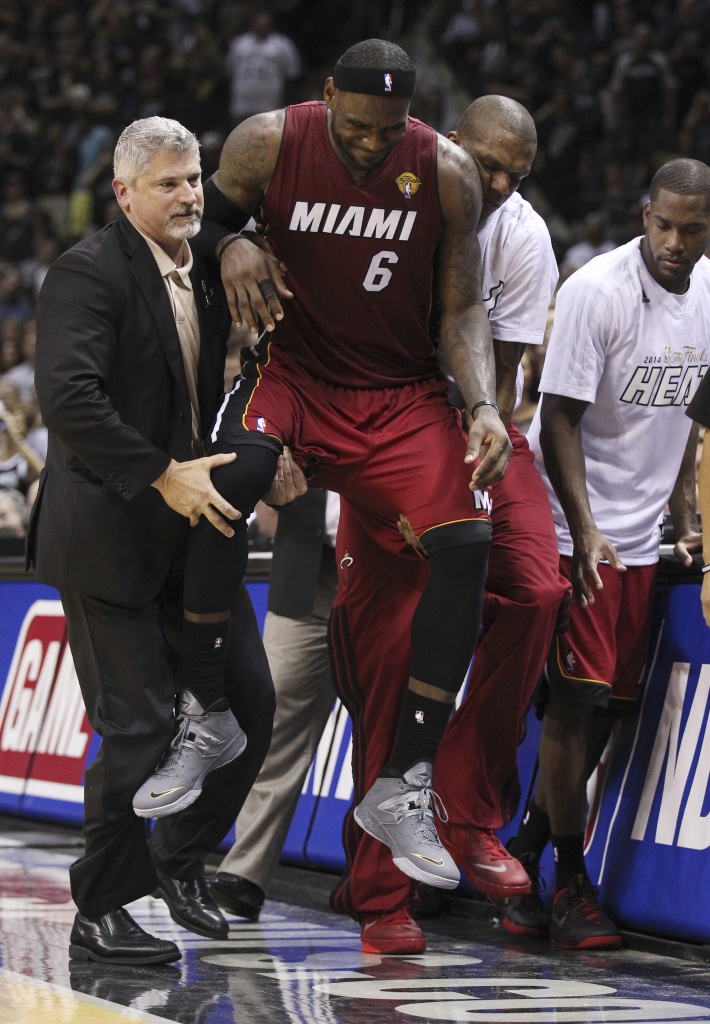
500, 135
491, 113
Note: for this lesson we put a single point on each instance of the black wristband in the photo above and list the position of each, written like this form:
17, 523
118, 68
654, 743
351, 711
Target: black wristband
226, 244
479, 404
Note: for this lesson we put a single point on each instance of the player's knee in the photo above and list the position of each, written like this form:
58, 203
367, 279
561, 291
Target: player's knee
470, 539
563, 717
243, 482
458, 555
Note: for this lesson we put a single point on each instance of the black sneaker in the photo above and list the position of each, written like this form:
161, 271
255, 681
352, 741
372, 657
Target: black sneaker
578, 921
527, 915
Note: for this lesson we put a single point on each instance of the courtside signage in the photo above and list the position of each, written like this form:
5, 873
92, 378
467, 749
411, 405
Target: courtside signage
44, 732
653, 829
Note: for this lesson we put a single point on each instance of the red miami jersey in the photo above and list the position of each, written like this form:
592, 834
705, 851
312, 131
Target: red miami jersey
360, 255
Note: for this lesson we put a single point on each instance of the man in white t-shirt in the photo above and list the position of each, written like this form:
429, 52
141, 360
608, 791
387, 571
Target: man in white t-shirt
476, 766
629, 345
260, 63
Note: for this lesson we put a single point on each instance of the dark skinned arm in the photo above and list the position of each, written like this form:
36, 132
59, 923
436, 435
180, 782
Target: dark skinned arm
252, 277
683, 504
561, 444
507, 358
465, 334
704, 495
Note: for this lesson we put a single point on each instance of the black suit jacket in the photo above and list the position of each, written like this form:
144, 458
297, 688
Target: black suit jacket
113, 394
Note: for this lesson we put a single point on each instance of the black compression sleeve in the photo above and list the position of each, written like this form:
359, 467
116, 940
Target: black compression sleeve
221, 210
221, 218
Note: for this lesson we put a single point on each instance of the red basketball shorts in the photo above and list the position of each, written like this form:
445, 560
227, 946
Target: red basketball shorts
391, 452
602, 657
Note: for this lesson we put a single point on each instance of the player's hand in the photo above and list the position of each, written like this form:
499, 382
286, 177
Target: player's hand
289, 482
590, 548
488, 440
187, 488
254, 282
686, 545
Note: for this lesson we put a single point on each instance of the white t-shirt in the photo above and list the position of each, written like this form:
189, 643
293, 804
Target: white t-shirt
258, 70
636, 353
332, 517
519, 274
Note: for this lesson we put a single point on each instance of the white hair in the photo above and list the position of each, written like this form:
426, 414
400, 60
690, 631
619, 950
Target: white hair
141, 140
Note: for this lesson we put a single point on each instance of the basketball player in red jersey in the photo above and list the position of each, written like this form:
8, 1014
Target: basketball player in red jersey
369, 210
476, 765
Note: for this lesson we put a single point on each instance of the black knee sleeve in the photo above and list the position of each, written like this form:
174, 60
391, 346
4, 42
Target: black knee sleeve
447, 619
247, 479
216, 564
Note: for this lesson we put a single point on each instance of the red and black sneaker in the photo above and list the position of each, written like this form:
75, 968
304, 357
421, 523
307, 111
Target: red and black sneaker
578, 921
486, 863
396, 932
527, 915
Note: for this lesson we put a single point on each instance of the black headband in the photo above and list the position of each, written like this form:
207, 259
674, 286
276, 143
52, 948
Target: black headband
374, 81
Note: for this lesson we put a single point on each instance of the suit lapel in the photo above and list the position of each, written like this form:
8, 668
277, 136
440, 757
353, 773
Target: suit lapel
142, 265
212, 341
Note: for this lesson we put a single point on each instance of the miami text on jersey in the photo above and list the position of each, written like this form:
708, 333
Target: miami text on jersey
327, 219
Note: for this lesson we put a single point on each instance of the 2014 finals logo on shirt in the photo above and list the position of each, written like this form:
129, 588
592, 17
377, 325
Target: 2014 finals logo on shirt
671, 379
408, 184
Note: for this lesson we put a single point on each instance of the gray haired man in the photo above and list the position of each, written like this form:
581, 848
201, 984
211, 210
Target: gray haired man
131, 340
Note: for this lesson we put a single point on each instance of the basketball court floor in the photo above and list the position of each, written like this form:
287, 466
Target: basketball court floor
303, 965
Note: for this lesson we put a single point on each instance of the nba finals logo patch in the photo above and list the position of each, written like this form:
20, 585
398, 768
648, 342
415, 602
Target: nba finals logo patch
388, 82
419, 717
261, 424
408, 184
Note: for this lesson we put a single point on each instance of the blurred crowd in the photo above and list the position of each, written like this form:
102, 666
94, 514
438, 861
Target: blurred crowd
616, 87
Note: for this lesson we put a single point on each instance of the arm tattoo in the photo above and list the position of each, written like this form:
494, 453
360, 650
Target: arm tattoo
249, 156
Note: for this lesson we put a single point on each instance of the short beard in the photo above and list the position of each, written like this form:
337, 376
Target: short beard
180, 229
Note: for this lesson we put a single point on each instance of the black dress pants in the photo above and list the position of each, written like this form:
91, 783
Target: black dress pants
126, 660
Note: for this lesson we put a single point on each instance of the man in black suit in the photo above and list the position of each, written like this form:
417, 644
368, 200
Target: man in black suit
131, 339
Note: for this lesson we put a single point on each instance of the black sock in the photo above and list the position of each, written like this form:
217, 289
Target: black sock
204, 658
422, 722
533, 834
569, 858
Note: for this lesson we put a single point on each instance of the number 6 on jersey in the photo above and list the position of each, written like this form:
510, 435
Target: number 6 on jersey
377, 276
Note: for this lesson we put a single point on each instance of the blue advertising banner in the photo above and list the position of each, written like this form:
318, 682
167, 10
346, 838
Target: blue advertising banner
648, 847
649, 826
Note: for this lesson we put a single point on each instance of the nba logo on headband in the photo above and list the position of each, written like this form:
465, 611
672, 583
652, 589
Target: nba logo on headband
388, 82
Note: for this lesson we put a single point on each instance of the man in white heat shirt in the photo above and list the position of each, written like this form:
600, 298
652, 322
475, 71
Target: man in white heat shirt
612, 441
476, 766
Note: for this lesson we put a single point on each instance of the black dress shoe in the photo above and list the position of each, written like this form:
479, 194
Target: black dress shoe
191, 905
237, 894
115, 938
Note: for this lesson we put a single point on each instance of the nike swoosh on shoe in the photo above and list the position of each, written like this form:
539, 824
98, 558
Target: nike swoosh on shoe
157, 796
